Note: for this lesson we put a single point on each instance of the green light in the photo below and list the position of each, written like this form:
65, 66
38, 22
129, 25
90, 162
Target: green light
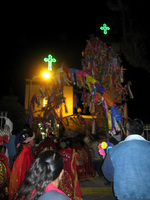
105, 28
50, 60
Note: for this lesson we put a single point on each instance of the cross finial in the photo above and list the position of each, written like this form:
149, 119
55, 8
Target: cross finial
105, 28
50, 60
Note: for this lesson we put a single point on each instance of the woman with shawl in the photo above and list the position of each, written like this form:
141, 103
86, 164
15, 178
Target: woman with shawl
69, 183
22, 163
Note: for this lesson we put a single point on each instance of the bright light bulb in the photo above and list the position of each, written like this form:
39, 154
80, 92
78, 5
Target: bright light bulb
46, 75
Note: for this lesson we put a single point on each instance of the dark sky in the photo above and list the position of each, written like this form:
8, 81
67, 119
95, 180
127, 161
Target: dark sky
31, 32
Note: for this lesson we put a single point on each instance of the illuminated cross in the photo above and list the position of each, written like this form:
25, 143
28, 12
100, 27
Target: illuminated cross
50, 60
105, 28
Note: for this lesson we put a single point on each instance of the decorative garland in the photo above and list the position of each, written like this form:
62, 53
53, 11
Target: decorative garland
100, 68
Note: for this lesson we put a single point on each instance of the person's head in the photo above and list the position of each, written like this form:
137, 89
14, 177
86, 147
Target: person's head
26, 126
27, 138
69, 143
87, 140
46, 168
135, 127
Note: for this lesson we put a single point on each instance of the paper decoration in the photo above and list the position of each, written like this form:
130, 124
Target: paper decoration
100, 74
93, 126
116, 114
104, 146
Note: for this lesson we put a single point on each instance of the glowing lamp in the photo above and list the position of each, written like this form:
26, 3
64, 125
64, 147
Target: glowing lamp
46, 75
79, 110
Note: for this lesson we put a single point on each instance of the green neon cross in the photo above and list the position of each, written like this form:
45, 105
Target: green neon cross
105, 28
50, 60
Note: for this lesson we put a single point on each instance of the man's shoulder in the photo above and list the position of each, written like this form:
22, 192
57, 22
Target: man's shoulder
144, 143
53, 195
131, 144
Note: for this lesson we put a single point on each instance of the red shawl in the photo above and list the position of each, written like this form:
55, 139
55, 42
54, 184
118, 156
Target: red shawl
46, 144
20, 167
69, 183
85, 169
4, 176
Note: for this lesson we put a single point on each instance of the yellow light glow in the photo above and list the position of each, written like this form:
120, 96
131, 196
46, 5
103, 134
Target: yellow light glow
46, 75
68, 95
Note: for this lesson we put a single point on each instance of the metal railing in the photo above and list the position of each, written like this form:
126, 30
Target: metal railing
3, 116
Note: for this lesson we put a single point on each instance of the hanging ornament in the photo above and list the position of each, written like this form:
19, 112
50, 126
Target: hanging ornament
130, 92
121, 75
116, 114
93, 126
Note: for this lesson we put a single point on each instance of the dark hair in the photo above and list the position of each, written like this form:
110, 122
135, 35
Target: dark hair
69, 143
45, 169
26, 133
135, 127
79, 139
26, 126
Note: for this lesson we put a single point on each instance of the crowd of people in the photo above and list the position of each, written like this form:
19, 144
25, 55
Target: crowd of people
54, 170
22, 166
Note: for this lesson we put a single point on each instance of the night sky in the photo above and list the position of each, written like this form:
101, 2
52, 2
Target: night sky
31, 32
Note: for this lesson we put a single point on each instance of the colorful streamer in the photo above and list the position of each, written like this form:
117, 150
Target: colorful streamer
101, 73
93, 126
